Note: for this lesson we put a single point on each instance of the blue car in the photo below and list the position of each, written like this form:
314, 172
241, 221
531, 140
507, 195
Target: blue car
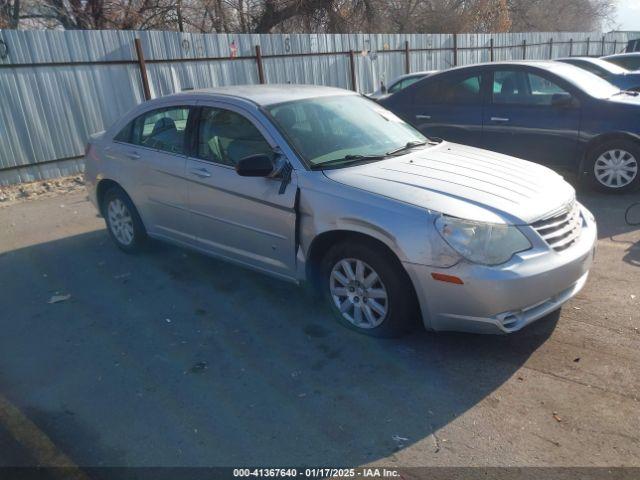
547, 112
630, 61
612, 73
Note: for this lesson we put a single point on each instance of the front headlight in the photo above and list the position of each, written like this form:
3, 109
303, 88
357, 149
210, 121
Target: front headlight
486, 243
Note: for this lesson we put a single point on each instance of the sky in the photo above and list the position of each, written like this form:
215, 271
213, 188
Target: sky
628, 17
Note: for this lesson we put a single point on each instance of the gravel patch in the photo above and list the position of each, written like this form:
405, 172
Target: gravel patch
12, 194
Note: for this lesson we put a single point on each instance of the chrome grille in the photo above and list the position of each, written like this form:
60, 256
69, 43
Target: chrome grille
561, 230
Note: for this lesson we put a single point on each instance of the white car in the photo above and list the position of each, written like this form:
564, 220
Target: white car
323, 185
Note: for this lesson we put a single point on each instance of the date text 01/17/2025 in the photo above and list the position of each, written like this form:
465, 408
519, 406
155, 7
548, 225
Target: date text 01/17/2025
316, 472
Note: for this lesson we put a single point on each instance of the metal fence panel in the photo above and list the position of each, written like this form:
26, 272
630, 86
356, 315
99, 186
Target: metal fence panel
58, 87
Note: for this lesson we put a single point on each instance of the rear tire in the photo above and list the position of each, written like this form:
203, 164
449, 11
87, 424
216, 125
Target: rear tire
367, 291
614, 166
123, 221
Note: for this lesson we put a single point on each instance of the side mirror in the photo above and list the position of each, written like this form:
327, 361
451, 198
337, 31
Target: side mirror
258, 165
383, 88
563, 100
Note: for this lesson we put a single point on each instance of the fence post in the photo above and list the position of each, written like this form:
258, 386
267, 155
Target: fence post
550, 48
455, 49
407, 60
602, 49
615, 45
588, 42
524, 49
143, 69
352, 64
570, 47
491, 49
259, 62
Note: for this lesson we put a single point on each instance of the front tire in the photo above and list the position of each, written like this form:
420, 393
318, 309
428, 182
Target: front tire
123, 221
368, 291
614, 166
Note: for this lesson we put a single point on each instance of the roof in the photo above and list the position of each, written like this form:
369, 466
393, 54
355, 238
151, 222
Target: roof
559, 68
546, 64
269, 94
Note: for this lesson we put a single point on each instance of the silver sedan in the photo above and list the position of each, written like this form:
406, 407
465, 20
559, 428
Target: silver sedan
323, 185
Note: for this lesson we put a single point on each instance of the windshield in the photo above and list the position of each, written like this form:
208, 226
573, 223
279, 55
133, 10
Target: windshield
588, 82
347, 127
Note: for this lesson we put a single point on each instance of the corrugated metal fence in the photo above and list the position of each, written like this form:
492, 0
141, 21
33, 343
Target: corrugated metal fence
58, 87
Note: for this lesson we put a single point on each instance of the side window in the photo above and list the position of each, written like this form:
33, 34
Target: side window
162, 129
517, 87
543, 88
226, 137
454, 90
124, 135
427, 92
462, 91
507, 86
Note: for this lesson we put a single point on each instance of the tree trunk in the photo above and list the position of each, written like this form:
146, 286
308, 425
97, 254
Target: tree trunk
243, 19
179, 13
15, 15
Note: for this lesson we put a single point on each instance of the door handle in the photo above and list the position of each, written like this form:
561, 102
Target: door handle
201, 172
423, 117
499, 119
133, 155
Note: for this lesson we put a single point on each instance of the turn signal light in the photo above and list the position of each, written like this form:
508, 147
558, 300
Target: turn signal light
447, 278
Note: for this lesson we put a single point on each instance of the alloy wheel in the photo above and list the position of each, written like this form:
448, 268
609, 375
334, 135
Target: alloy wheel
616, 168
120, 221
358, 293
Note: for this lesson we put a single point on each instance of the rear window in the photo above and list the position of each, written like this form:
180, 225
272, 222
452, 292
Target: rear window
630, 63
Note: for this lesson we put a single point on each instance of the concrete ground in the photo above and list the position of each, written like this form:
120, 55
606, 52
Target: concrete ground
171, 358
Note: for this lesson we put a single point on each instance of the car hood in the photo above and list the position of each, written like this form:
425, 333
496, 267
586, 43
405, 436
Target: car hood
464, 182
625, 99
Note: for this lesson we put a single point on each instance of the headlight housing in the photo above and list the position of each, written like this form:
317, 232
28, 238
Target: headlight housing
485, 243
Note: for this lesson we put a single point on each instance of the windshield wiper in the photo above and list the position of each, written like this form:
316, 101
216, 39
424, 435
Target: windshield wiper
348, 159
408, 146
626, 92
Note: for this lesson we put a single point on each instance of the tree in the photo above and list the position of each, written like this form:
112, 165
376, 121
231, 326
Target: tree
9, 13
565, 15
100, 14
489, 16
293, 16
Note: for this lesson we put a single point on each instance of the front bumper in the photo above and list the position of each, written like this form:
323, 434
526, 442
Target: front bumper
507, 297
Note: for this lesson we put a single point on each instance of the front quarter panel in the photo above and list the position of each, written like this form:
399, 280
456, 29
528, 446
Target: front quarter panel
607, 117
408, 230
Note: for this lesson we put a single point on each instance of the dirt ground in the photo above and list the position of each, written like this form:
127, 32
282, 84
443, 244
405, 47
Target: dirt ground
12, 194
171, 358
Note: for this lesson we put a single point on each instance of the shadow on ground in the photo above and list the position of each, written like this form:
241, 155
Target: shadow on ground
173, 358
610, 211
